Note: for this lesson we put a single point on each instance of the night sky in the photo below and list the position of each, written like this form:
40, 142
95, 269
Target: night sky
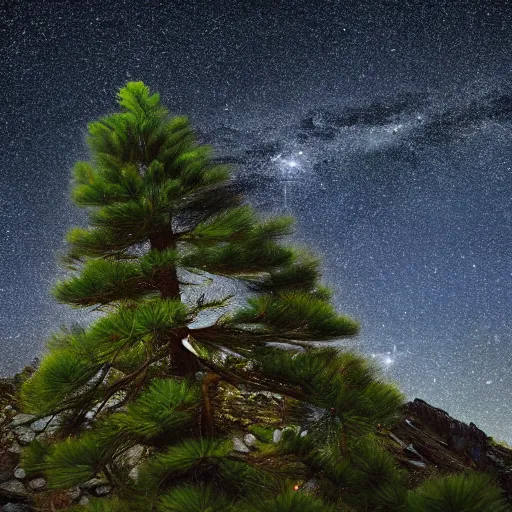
383, 126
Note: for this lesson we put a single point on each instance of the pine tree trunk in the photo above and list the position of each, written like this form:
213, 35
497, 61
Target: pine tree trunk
184, 363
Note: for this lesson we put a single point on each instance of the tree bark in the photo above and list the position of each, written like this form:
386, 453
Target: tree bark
184, 362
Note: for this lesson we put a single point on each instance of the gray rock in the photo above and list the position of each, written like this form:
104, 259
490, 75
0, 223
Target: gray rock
84, 500
74, 492
13, 488
134, 474
15, 448
47, 424
239, 446
20, 473
276, 436
103, 490
94, 482
25, 435
310, 485
21, 419
133, 456
37, 484
304, 433
249, 439
15, 507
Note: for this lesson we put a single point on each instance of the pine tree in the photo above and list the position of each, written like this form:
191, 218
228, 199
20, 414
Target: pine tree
167, 234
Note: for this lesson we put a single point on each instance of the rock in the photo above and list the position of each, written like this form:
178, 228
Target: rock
22, 419
242, 406
310, 485
94, 482
249, 439
102, 490
84, 500
134, 474
276, 436
13, 489
239, 446
134, 455
37, 484
48, 424
20, 473
304, 433
74, 492
416, 463
25, 435
15, 448
15, 507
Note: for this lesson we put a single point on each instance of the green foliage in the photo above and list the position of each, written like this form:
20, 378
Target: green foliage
193, 499
341, 382
33, 456
55, 384
104, 505
264, 434
300, 312
167, 406
465, 492
194, 455
74, 461
293, 501
300, 275
100, 282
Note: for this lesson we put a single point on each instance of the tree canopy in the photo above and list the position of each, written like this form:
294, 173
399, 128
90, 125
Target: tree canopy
196, 294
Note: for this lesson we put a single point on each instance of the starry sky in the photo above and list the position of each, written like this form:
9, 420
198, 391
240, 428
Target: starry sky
383, 126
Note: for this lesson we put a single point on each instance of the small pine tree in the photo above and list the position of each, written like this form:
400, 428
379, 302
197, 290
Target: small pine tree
164, 221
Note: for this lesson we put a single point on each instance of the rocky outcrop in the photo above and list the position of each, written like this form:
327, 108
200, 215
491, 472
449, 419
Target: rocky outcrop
428, 441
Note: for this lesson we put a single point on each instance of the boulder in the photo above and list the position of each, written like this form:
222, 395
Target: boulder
22, 419
25, 435
13, 490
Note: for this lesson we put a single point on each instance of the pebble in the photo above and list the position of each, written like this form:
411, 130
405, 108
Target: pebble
74, 492
20, 473
249, 439
239, 446
15, 448
103, 490
84, 500
276, 436
37, 484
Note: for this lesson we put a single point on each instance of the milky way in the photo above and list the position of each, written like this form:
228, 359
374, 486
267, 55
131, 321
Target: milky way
383, 126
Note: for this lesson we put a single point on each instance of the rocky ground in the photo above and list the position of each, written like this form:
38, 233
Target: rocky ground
426, 441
